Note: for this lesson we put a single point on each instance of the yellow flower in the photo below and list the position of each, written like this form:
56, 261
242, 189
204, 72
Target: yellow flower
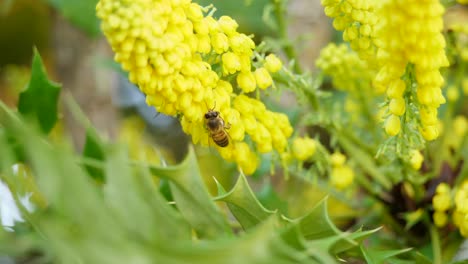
303, 148
169, 49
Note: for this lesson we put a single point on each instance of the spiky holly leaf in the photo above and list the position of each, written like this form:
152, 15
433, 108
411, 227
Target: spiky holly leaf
39, 101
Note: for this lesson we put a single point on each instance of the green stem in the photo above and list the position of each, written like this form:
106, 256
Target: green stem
436, 250
364, 160
280, 14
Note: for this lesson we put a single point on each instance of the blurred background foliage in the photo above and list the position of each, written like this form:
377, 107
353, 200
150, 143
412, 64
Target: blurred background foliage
80, 219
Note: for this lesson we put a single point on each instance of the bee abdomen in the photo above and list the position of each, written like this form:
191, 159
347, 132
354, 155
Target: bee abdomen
221, 139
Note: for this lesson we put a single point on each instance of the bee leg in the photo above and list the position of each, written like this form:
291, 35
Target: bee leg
227, 126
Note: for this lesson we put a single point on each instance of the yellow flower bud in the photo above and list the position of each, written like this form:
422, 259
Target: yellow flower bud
303, 148
440, 218
227, 25
441, 201
240, 43
392, 125
416, 159
460, 126
397, 106
220, 42
428, 115
396, 89
443, 188
429, 132
337, 159
263, 78
272, 63
246, 81
341, 177
231, 63
452, 93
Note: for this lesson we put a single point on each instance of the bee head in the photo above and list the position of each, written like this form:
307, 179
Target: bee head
211, 114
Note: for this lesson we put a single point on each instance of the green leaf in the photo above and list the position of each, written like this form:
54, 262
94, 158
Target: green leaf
81, 13
142, 201
244, 205
374, 256
352, 240
317, 223
39, 100
93, 149
192, 197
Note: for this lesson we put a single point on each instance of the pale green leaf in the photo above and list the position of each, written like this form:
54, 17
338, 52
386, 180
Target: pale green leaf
244, 205
192, 197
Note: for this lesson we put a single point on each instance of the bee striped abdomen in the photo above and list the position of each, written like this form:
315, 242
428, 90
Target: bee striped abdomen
220, 137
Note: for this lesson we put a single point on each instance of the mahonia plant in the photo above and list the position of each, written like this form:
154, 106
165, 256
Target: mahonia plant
187, 62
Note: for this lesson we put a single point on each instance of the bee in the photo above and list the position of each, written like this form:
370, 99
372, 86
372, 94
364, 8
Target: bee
217, 128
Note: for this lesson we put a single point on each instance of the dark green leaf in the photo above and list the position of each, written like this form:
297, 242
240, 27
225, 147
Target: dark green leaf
93, 149
39, 100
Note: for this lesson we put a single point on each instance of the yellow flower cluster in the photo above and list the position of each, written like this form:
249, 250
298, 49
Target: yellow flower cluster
185, 62
460, 215
342, 175
347, 70
357, 19
409, 32
441, 203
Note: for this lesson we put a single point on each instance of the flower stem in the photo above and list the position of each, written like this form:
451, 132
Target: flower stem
435, 241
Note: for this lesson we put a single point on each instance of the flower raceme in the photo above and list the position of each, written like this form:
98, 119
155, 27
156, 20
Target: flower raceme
391, 35
186, 63
410, 33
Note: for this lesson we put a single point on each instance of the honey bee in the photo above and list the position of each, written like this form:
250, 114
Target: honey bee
217, 128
